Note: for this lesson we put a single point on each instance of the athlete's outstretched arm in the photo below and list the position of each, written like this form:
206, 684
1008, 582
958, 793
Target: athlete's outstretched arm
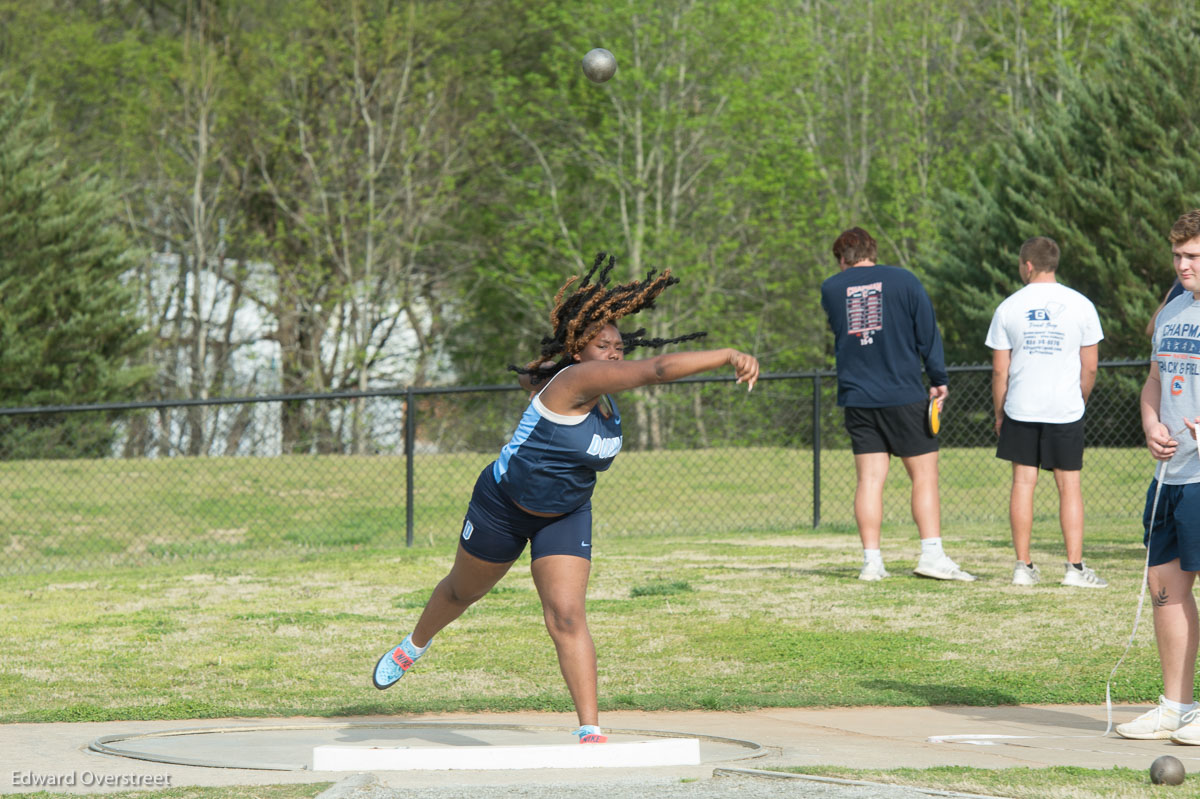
585, 381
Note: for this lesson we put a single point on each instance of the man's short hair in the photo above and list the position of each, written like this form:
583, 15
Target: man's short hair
1042, 252
1186, 227
854, 245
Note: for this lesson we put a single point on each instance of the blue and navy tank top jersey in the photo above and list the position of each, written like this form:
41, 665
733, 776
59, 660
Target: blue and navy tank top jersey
550, 464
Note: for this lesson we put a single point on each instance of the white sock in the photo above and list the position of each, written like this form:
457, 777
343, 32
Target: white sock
417, 650
872, 556
1178, 707
932, 546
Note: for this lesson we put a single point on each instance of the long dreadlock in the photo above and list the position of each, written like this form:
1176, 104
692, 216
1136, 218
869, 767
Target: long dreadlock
579, 316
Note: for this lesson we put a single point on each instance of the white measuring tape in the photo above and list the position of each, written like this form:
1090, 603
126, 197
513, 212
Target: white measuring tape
1158, 477
986, 740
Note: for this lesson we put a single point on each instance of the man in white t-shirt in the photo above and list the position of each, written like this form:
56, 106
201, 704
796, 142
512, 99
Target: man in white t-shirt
1045, 341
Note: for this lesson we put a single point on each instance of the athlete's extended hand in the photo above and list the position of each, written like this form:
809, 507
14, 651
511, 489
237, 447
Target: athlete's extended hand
745, 367
1193, 424
1160, 443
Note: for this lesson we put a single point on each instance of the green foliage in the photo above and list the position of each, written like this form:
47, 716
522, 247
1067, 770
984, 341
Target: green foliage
97, 73
678, 162
68, 330
429, 172
1105, 173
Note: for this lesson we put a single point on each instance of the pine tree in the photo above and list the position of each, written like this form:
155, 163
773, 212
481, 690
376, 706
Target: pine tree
1105, 174
69, 332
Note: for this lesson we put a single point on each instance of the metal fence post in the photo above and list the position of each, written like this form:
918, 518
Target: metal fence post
816, 445
410, 434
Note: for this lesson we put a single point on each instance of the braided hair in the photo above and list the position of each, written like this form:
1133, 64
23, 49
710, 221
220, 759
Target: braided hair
579, 316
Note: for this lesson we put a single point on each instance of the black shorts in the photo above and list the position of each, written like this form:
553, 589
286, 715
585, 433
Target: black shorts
900, 430
496, 530
1042, 444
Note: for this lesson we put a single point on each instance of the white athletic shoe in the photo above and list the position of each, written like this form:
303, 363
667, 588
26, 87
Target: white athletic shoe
1157, 724
1188, 732
1024, 574
1083, 578
873, 571
941, 568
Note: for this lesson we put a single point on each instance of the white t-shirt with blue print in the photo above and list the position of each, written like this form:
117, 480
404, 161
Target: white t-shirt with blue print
1176, 353
1044, 325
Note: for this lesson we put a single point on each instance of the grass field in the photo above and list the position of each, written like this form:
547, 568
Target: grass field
692, 563
296, 635
1023, 783
70, 514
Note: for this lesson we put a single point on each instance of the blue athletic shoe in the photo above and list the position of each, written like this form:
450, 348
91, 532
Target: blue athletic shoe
395, 662
590, 734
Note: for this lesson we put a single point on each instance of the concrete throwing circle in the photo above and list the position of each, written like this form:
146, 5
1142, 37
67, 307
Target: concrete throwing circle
289, 747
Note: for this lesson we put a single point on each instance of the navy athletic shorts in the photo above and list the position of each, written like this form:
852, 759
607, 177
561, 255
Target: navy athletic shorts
496, 530
899, 430
1176, 532
1042, 444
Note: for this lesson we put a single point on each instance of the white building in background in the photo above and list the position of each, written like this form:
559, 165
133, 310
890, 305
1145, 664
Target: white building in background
183, 299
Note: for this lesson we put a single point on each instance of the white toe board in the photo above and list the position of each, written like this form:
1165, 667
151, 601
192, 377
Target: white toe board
659, 752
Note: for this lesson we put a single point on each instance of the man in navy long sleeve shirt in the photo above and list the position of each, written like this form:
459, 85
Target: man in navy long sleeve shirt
886, 341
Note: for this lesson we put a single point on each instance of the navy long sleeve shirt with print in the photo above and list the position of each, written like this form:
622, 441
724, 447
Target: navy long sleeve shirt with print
885, 336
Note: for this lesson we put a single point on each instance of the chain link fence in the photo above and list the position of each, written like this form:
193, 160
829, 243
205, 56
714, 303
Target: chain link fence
88, 486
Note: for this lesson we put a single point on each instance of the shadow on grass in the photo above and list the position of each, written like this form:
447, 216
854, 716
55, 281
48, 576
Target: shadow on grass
942, 694
1133, 552
897, 567
832, 570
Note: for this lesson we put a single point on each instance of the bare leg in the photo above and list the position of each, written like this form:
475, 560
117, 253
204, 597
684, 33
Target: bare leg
926, 505
872, 469
1020, 509
1070, 512
470, 578
1176, 628
561, 582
